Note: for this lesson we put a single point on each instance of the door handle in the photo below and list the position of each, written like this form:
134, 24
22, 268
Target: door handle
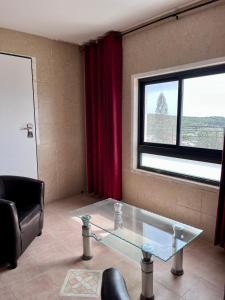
29, 129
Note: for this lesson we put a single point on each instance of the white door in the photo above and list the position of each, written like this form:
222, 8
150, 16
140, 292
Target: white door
18, 155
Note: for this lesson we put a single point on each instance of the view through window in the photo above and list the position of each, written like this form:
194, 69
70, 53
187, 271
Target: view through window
183, 116
161, 100
203, 114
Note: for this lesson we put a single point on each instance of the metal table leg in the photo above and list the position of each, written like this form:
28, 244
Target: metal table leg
147, 276
86, 233
177, 268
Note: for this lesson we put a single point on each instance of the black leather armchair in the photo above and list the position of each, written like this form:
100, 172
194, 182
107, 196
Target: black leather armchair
113, 286
21, 215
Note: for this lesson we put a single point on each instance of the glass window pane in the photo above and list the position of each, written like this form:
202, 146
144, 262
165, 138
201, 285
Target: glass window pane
203, 118
161, 112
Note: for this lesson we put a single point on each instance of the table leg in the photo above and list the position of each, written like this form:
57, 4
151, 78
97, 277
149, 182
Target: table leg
147, 277
177, 268
86, 233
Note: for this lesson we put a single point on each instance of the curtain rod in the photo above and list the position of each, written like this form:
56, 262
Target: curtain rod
175, 14
168, 16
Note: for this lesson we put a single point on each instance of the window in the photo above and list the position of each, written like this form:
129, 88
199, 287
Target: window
181, 123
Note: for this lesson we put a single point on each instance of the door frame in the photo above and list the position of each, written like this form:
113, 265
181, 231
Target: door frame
35, 99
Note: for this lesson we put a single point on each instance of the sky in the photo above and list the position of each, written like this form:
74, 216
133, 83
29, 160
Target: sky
202, 96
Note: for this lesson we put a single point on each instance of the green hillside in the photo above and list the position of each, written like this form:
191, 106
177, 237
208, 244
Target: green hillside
203, 121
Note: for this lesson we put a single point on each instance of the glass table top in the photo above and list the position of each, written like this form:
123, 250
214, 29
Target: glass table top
159, 236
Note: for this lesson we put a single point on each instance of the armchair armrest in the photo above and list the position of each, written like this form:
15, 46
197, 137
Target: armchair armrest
10, 241
24, 191
113, 286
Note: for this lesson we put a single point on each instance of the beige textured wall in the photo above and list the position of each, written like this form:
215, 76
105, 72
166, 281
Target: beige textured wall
195, 37
60, 104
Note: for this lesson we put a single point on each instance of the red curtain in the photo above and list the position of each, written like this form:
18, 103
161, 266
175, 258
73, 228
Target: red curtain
220, 223
103, 92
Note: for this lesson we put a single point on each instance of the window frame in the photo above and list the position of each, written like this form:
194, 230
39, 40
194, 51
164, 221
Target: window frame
176, 150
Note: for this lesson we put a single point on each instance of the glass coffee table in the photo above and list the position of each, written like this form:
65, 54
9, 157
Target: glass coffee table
151, 234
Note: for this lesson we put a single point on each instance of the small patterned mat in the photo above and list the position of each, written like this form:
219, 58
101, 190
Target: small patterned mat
82, 283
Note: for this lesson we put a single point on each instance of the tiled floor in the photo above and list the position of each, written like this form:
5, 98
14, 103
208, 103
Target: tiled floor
42, 268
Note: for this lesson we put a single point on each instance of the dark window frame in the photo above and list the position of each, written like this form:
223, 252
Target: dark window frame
178, 151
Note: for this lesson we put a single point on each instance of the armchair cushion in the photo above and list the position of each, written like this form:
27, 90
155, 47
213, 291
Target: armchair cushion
26, 214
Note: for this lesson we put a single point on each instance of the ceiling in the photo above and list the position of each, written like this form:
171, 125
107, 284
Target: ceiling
78, 21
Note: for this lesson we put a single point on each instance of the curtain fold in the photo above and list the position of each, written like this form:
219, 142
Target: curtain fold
103, 93
220, 222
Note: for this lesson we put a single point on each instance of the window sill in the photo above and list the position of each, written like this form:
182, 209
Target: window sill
178, 180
